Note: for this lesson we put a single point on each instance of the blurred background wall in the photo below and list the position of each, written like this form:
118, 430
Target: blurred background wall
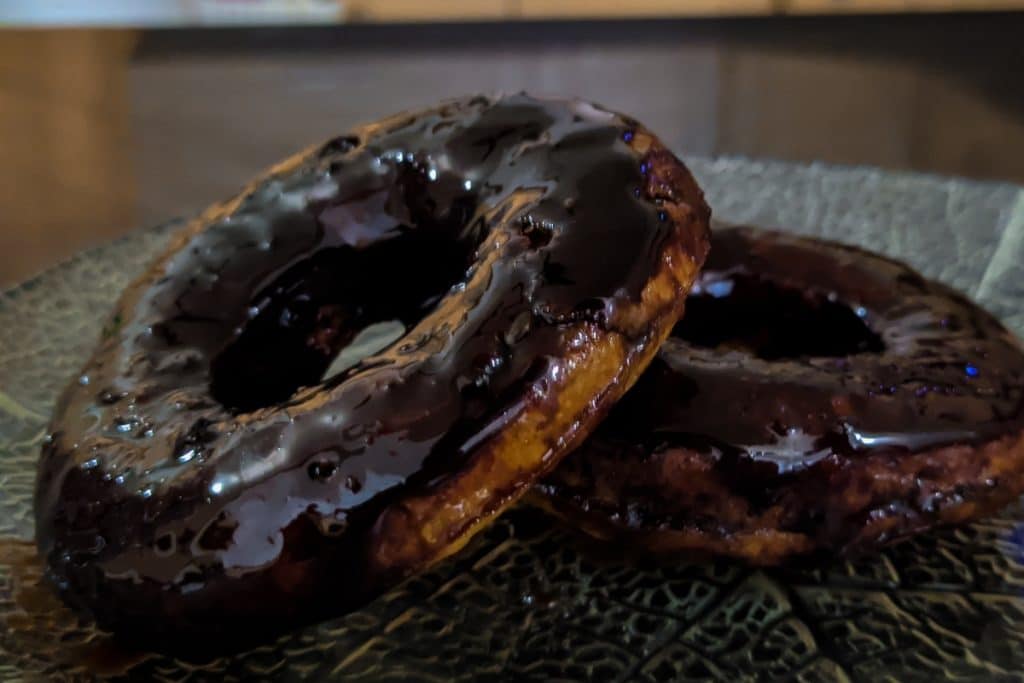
104, 130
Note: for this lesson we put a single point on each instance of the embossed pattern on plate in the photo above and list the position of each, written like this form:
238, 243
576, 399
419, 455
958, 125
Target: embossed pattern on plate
524, 601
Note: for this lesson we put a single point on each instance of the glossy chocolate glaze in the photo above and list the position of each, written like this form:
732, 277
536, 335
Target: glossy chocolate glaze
200, 475
815, 397
794, 349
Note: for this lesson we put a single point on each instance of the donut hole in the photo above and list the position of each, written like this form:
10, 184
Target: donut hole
772, 321
333, 308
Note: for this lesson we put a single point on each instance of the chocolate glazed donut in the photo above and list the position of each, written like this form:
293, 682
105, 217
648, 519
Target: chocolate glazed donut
202, 476
816, 397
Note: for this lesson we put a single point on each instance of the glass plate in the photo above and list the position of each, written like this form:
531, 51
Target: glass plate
524, 601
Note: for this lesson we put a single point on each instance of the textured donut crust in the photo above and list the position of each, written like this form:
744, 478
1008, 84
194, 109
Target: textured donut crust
862, 504
600, 366
866, 502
